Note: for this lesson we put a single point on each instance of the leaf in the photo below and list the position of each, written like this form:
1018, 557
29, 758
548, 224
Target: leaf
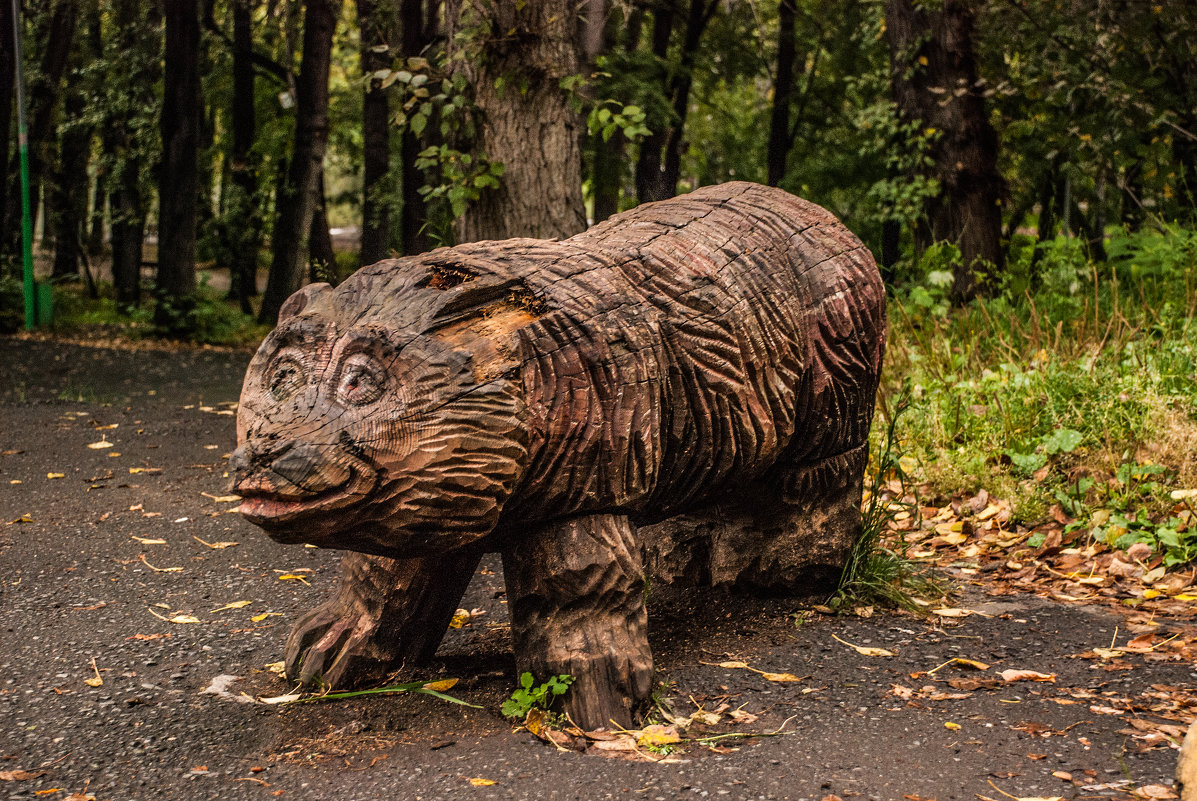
215, 545
864, 650
482, 782
264, 615
95, 446
278, 668
55, 475
222, 498
1108, 653
460, 618
1026, 675
293, 577
97, 680
951, 726
282, 699
20, 775
656, 736
233, 605
179, 617
147, 540
440, 686
733, 664
780, 677
952, 612
160, 569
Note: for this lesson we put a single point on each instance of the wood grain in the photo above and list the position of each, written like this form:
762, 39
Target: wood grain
687, 388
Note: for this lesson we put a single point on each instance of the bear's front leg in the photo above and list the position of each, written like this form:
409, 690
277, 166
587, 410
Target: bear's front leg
385, 613
575, 589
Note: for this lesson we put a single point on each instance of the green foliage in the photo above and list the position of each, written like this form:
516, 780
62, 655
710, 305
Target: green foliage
531, 695
875, 574
1079, 394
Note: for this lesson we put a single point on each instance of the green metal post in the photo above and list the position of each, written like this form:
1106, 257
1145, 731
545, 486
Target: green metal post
23, 148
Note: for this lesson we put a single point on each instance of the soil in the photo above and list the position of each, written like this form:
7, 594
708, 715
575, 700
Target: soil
87, 591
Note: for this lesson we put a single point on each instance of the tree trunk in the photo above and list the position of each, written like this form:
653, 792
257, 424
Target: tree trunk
377, 22
322, 260
42, 97
178, 180
783, 92
650, 184
934, 78
99, 200
413, 216
7, 90
532, 131
297, 201
696, 22
69, 191
244, 207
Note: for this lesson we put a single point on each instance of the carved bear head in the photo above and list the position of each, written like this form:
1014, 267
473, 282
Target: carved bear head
386, 415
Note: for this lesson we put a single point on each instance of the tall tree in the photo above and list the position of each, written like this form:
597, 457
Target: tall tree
658, 164
783, 91
418, 23
935, 82
7, 90
55, 41
179, 175
523, 49
376, 20
297, 201
244, 206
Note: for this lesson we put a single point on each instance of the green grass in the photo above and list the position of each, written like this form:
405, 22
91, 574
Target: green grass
1072, 378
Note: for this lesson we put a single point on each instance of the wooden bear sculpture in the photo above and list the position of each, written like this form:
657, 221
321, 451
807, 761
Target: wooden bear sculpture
683, 391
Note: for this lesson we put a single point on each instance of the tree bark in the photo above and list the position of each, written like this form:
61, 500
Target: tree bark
245, 211
649, 178
7, 90
178, 185
530, 127
935, 82
69, 191
322, 259
42, 98
297, 201
783, 93
377, 23
416, 36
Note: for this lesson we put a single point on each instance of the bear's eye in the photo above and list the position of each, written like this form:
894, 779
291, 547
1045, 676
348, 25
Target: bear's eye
361, 382
284, 378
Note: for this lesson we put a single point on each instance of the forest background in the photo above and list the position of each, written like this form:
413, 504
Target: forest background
1025, 172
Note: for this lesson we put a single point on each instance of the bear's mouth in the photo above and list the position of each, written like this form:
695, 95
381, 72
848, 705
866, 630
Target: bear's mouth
278, 512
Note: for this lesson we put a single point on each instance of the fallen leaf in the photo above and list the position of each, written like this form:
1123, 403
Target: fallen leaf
1108, 653
97, 680
278, 668
864, 650
1062, 775
1155, 791
779, 677
460, 618
55, 475
657, 735
160, 569
482, 782
222, 498
740, 716
233, 605
282, 699
179, 617
147, 540
952, 612
103, 443
264, 615
440, 686
293, 577
20, 775
951, 726
1026, 675
215, 545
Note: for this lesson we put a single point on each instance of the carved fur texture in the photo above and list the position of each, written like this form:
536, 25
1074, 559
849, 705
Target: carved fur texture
703, 369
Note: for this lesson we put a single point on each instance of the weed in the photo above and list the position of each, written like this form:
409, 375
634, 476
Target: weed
531, 696
874, 573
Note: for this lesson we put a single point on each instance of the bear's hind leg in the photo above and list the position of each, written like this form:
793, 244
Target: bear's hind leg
385, 613
575, 591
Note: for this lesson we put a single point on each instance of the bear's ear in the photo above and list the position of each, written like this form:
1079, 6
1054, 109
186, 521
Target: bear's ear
301, 300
